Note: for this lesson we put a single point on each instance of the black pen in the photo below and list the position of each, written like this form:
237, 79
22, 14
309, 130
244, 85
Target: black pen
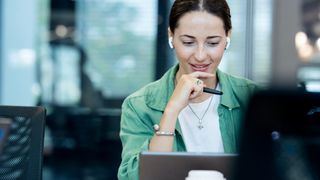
212, 91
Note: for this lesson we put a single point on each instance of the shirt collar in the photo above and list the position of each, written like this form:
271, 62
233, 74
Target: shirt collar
158, 96
228, 98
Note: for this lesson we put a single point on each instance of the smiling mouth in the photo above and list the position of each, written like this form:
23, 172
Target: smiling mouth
202, 67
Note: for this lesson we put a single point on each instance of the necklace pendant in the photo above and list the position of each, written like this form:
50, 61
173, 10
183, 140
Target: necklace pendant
200, 126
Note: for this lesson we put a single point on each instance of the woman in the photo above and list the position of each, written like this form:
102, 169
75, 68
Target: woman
173, 113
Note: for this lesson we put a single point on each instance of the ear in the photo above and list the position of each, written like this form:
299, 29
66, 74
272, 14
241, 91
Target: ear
170, 33
170, 38
227, 43
228, 40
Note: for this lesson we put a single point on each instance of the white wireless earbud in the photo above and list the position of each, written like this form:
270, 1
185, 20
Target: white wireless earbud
170, 42
228, 43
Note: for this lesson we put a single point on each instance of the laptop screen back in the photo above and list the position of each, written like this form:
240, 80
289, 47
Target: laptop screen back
176, 165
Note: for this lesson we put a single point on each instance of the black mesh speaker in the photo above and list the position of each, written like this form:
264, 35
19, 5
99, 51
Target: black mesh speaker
21, 158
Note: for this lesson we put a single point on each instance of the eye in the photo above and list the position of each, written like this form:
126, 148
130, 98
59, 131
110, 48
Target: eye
187, 43
213, 44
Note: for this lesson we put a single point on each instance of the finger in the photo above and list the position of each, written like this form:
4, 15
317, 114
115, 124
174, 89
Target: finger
197, 90
199, 74
198, 82
195, 93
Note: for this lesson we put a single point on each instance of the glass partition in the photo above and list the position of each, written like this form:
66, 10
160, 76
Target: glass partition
118, 37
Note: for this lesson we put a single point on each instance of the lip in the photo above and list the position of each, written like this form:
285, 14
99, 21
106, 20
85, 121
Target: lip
199, 67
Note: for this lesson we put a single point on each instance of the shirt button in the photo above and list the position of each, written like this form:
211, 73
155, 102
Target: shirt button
230, 109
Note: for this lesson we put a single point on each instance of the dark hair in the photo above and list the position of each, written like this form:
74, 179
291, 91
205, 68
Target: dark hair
218, 8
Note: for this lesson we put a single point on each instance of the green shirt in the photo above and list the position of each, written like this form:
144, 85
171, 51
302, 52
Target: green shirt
144, 108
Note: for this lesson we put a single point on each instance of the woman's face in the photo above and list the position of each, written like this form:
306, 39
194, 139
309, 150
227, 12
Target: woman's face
199, 42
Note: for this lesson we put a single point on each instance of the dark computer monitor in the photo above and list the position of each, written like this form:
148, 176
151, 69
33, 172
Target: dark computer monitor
21, 157
281, 136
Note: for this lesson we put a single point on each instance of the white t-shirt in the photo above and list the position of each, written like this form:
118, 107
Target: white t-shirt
207, 139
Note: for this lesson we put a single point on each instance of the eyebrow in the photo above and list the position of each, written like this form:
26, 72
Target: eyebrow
209, 37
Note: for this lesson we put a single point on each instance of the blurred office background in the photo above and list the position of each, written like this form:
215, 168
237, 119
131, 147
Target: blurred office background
81, 58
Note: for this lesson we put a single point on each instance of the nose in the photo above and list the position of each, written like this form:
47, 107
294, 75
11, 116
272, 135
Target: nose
201, 53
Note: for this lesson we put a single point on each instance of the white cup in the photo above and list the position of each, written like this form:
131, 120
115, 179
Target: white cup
205, 175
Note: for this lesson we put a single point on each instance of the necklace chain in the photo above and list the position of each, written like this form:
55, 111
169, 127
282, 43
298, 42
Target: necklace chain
200, 126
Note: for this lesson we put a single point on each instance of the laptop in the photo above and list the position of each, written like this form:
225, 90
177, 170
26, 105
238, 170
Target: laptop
176, 165
4, 130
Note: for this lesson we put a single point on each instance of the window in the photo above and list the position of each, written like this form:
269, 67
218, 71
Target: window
262, 39
250, 52
235, 57
18, 52
118, 37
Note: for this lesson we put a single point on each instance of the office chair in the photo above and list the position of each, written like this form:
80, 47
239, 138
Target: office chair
21, 158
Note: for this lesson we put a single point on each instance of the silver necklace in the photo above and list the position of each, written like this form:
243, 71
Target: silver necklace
200, 126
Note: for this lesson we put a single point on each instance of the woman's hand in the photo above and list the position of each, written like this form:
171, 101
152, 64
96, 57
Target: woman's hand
188, 87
